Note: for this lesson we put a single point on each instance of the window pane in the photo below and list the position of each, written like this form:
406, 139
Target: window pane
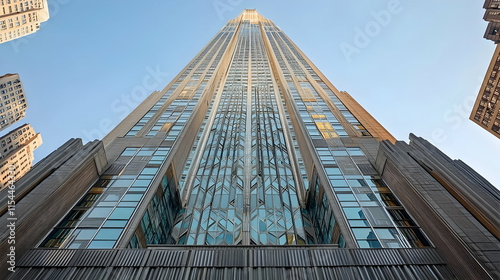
364, 233
388, 199
358, 183
369, 244
129, 152
346, 197
141, 183
366, 197
121, 184
111, 197
102, 244
401, 218
108, 234
332, 171
354, 213
415, 237
100, 212
128, 204
85, 234
115, 223
355, 152
78, 244
339, 183
132, 197
348, 203
122, 213
359, 223
141, 190
386, 233
149, 171
377, 216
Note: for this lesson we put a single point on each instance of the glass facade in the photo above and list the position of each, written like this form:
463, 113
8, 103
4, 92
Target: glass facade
99, 218
253, 146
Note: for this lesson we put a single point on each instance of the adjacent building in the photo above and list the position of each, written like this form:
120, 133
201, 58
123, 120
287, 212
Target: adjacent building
12, 100
21, 18
250, 164
15, 139
492, 15
16, 153
486, 112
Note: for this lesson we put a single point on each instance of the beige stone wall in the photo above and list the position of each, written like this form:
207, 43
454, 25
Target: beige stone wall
12, 100
486, 111
21, 159
15, 138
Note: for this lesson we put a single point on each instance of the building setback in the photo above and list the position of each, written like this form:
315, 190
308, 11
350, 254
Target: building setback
21, 18
250, 164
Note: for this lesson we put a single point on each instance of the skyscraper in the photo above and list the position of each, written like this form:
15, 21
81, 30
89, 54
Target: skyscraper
21, 18
250, 164
485, 112
13, 101
16, 153
492, 15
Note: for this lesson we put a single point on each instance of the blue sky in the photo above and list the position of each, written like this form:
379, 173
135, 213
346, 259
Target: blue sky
417, 68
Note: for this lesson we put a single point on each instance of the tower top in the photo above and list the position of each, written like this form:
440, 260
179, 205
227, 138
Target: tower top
250, 14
